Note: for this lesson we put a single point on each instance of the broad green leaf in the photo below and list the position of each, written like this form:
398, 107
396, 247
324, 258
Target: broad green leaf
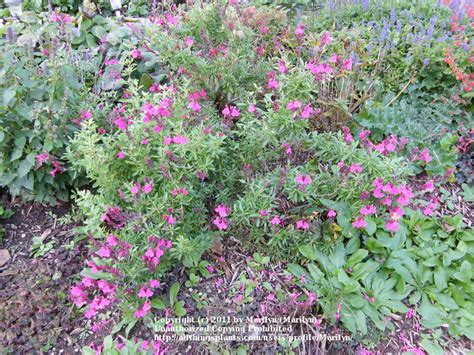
432, 348
307, 251
8, 97
174, 289
357, 257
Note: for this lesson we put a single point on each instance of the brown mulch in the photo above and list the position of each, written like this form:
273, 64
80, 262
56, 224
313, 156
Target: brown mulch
34, 311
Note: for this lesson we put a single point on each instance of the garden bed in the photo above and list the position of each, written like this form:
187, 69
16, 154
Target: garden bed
227, 177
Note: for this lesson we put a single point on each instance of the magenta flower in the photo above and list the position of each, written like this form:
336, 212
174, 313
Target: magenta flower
143, 310
392, 226
104, 252
424, 156
112, 240
288, 149
347, 135
367, 210
147, 188
195, 106
326, 38
121, 123
145, 292
302, 224
427, 211
347, 64
334, 58
252, 108
294, 105
299, 32
359, 223
276, 221
364, 134
319, 69
136, 54
303, 180
169, 218
121, 155
307, 112
396, 212
332, 214
222, 210
230, 111
180, 140
188, 41
410, 314
272, 84
355, 168
282, 67
78, 296
42, 157
154, 283
220, 223
428, 186
136, 188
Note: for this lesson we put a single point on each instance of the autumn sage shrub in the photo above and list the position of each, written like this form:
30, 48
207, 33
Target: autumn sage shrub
238, 139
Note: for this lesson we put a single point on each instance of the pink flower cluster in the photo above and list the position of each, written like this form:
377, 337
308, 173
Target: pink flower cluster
230, 112
303, 181
97, 294
154, 112
113, 248
57, 166
152, 255
60, 18
221, 221
84, 115
179, 191
272, 83
138, 188
390, 199
175, 140
194, 98
307, 112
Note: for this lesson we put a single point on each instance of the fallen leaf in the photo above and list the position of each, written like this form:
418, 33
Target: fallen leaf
4, 257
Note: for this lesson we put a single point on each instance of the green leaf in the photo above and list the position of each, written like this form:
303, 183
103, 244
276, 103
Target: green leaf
371, 226
446, 301
432, 348
467, 192
441, 278
25, 166
361, 271
179, 309
174, 292
296, 270
158, 303
146, 81
8, 96
356, 258
465, 272
308, 251
315, 273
